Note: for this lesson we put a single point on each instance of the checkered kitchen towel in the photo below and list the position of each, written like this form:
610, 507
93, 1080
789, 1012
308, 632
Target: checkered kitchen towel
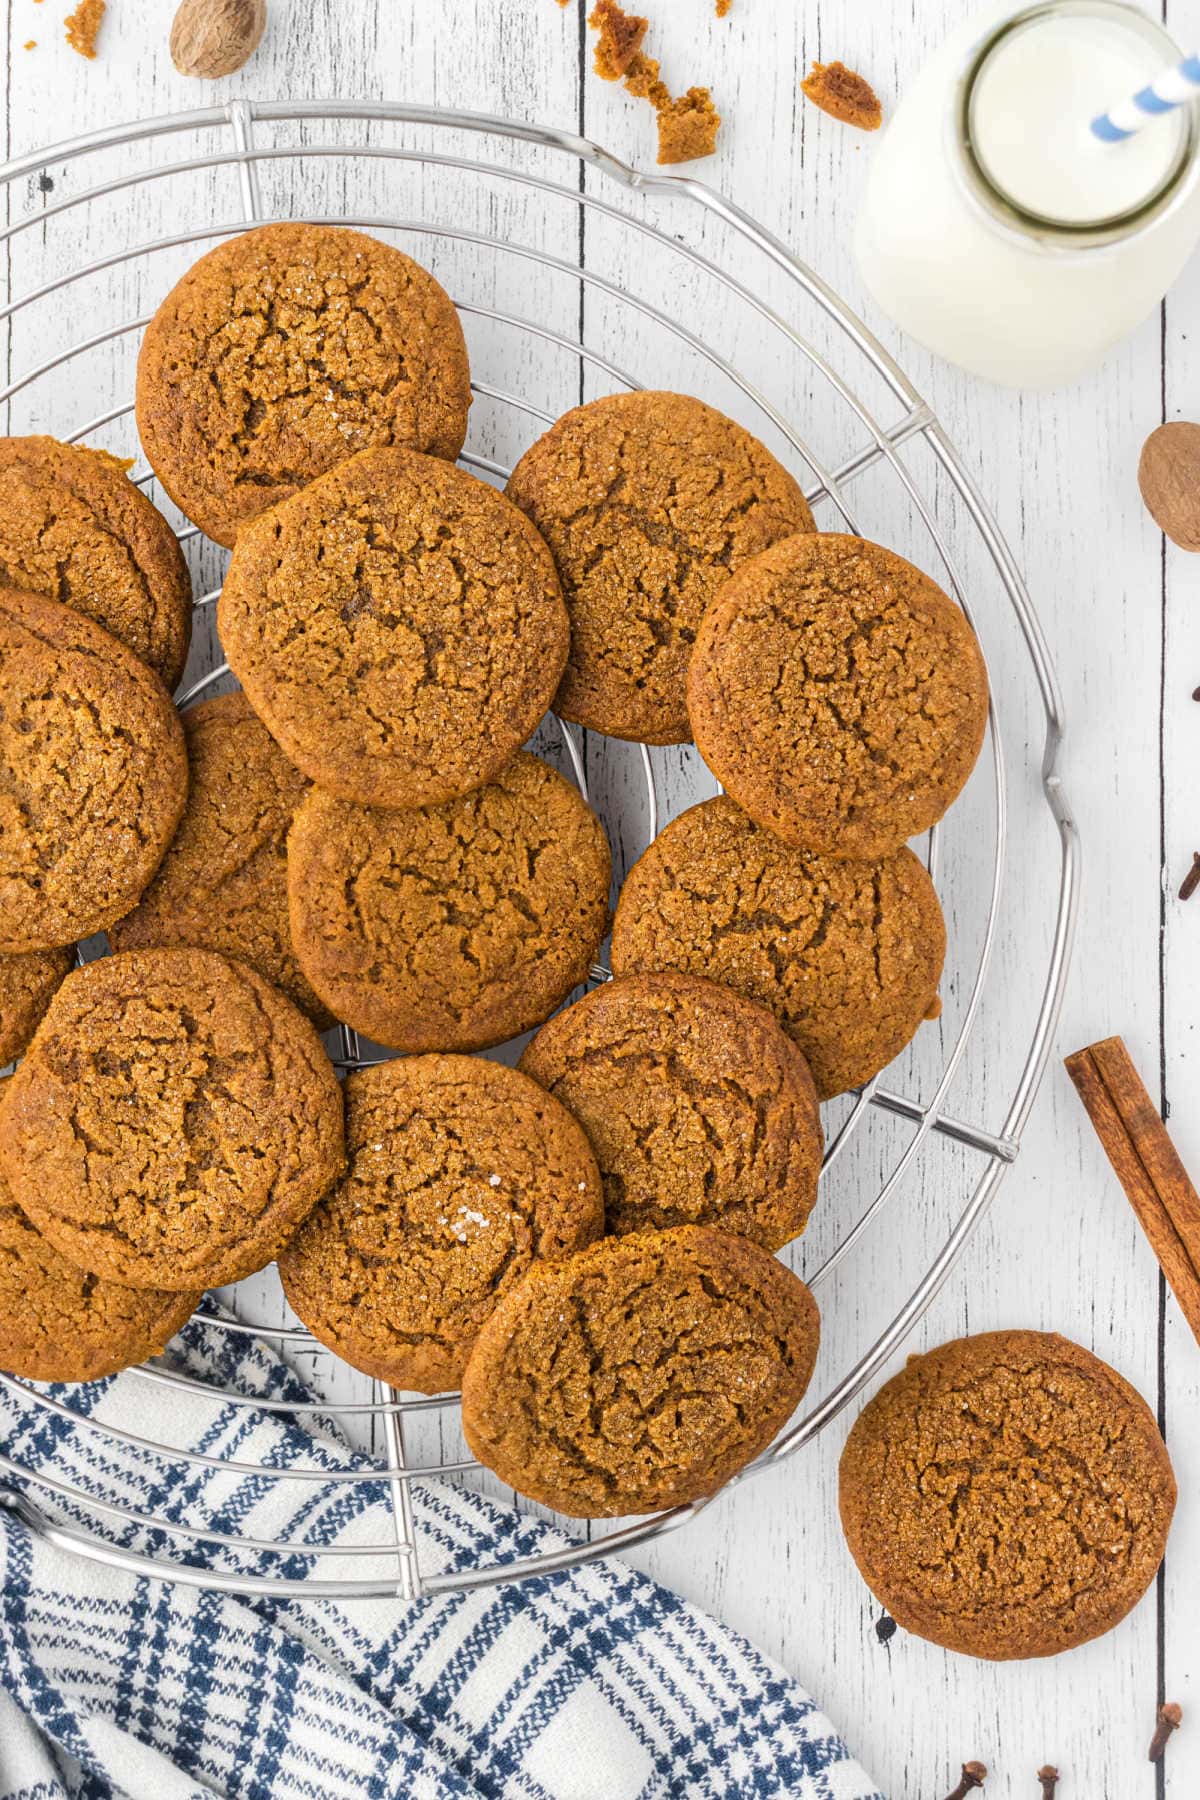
597, 1683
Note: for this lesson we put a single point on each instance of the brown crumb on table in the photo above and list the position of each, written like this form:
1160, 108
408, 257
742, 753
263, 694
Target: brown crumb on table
620, 38
31, 43
844, 95
641, 80
83, 25
687, 127
724, 7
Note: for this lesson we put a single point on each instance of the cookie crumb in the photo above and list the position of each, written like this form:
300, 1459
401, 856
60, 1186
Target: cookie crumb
724, 8
844, 95
620, 38
642, 81
83, 25
30, 44
687, 127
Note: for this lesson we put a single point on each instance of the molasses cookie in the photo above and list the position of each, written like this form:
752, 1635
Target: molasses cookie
173, 1121
461, 1173
74, 527
1007, 1495
451, 927
398, 627
700, 1109
847, 955
27, 983
223, 883
58, 1324
93, 774
640, 1373
648, 502
284, 351
838, 695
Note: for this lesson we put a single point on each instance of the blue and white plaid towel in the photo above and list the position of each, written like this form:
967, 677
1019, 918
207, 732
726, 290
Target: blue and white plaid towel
596, 1683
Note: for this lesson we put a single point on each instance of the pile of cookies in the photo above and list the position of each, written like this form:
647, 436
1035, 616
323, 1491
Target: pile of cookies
585, 1243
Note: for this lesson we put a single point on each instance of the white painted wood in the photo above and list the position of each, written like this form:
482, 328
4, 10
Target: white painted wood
1060, 1250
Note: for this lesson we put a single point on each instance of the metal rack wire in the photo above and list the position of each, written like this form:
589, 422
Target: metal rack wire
711, 241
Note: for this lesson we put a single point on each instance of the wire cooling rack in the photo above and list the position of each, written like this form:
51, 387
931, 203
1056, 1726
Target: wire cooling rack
576, 275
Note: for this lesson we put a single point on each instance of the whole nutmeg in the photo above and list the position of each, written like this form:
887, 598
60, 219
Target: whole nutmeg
1169, 477
210, 38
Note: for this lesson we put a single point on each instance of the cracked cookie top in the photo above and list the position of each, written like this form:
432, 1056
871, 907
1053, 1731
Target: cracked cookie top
1007, 1495
450, 927
838, 695
223, 883
399, 628
58, 1324
173, 1121
847, 955
27, 983
700, 1109
93, 774
640, 1373
75, 528
284, 351
648, 501
461, 1173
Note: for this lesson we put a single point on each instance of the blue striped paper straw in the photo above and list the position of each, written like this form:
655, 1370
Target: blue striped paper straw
1174, 87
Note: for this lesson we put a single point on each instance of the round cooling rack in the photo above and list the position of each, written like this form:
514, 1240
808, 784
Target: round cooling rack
575, 276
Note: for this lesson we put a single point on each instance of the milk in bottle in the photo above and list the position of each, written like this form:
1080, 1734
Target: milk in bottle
996, 227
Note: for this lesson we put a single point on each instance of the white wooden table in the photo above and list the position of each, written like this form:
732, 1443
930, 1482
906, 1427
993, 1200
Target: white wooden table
1060, 1250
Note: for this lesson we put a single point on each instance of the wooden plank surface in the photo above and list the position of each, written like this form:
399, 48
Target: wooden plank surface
1060, 1249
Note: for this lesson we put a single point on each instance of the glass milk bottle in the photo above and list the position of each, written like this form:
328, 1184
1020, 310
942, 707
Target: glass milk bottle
996, 227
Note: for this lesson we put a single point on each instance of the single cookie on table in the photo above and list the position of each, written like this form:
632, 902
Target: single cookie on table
847, 955
640, 1373
1007, 1495
28, 980
699, 1107
93, 774
174, 1120
75, 528
58, 1324
648, 501
284, 351
450, 927
398, 627
223, 883
838, 695
462, 1173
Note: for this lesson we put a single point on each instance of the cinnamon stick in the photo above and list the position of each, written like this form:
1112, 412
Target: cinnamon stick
1146, 1164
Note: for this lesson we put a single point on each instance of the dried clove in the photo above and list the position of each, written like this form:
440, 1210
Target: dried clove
1170, 1716
1191, 880
973, 1774
1049, 1780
